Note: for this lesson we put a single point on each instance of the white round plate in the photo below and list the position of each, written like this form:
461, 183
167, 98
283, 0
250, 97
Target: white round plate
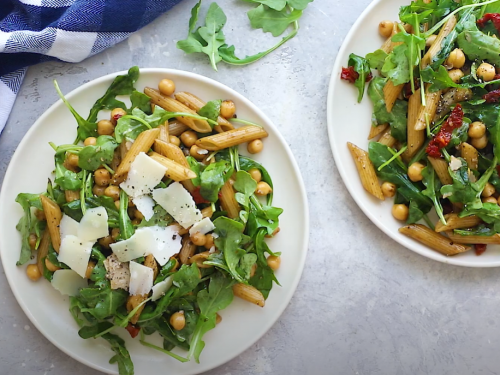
349, 121
243, 323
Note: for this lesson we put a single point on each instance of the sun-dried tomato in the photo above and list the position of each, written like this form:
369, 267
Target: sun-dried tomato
369, 77
133, 330
493, 17
349, 74
492, 96
407, 87
197, 196
479, 248
443, 137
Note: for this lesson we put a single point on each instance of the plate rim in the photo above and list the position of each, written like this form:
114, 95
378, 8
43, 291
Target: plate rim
334, 81
292, 287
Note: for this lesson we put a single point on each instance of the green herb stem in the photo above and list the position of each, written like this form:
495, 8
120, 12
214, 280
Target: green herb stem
167, 352
394, 157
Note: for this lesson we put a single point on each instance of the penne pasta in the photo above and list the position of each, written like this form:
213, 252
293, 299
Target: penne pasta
187, 250
54, 215
164, 136
134, 301
207, 212
195, 103
441, 168
470, 155
453, 221
228, 201
389, 45
175, 171
176, 128
366, 171
71, 195
249, 293
174, 153
436, 46
43, 251
415, 138
199, 259
387, 139
179, 229
432, 239
495, 239
172, 105
231, 138
391, 93
426, 114
142, 144
376, 130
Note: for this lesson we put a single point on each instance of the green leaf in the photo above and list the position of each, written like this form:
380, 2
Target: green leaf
245, 183
66, 179
376, 59
102, 302
361, 67
433, 185
197, 168
396, 66
26, 223
272, 21
122, 356
130, 126
88, 332
441, 80
273, 4
126, 227
160, 218
477, 45
186, 279
213, 178
299, 4
212, 33
211, 110
141, 101
93, 156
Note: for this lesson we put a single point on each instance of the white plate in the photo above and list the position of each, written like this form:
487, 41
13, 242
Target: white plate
349, 121
243, 324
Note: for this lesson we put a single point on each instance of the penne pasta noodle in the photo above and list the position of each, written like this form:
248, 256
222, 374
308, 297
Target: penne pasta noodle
391, 93
43, 250
470, 155
175, 171
495, 239
389, 45
387, 139
376, 130
174, 153
207, 212
199, 259
116, 158
441, 168
172, 105
453, 221
231, 138
71, 195
415, 138
432, 239
54, 215
228, 201
164, 136
134, 301
249, 293
176, 128
179, 229
195, 103
426, 114
366, 171
436, 46
142, 144
187, 250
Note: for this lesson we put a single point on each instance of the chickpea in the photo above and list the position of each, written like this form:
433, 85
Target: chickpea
197, 152
106, 241
105, 127
480, 143
209, 241
90, 268
33, 272
456, 59
227, 109
486, 72
400, 212
115, 232
174, 140
388, 189
430, 40
40, 215
102, 177
72, 160
51, 266
90, 141
116, 114
112, 192
273, 262
189, 138
98, 190
488, 190
490, 200
255, 146
385, 28
32, 241
256, 174
455, 75
138, 214
263, 188
477, 129
415, 171
178, 320
166, 87
198, 239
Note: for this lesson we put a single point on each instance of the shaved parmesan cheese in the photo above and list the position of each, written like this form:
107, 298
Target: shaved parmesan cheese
202, 227
144, 174
68, 282
75, 253
168, 243
145, 204
141, 279
68, 226
94, 224
455, 163
161, 288
140, 244
177, 201
117, 273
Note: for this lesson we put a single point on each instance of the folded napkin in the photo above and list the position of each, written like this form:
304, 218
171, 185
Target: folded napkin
33, 31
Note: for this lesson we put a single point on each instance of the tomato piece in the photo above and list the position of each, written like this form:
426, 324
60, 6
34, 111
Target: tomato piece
133, 330
479, 248
349, 74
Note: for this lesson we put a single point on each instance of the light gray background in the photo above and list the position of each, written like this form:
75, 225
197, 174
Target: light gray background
365, 305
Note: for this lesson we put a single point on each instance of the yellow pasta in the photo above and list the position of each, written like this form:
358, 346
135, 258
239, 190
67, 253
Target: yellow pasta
426, 114
387, 139
455, 222
436, 46
176, 128
391, 93
231, 138
164, 135
228, 201
432, 239
249, 293
142, 144
415, 138
470, 155
366, 171
376, 130
175, 171
495, 239
200, 258
43, 250
207, 212
173, 105
54, 215
441, 168
71, 195
187, 251
174, 153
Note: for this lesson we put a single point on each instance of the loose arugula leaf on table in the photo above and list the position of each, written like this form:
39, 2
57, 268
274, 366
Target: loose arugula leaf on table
212, 178
432, 191
26, 223
272, 21
362, 67
93, 156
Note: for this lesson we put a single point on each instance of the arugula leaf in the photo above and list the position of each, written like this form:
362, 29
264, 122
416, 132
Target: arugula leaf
197, 168
406, 53
480, 230
495, 137
160, 218
477, 45
66, 179
211, 110
26, 223
140, 101
93, 156
130, 126
88, 332
376, 59
441, 80
273, 4
122, 356
126, 227
362, 67
212, 33
299, 4
433, 186
102, 302
488, 212
272, 21
264, 276
212, 178
193, 42
245, 186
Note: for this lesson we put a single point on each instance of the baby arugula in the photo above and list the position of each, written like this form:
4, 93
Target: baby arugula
273, 16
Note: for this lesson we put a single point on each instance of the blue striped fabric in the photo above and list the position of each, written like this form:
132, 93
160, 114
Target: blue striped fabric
33, 31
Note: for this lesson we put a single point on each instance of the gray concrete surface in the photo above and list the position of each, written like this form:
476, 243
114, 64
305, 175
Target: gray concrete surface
365, 304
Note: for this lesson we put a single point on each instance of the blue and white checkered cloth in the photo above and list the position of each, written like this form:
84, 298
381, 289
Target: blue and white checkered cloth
33, 31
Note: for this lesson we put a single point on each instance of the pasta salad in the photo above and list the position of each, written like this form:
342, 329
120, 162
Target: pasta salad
153, 221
